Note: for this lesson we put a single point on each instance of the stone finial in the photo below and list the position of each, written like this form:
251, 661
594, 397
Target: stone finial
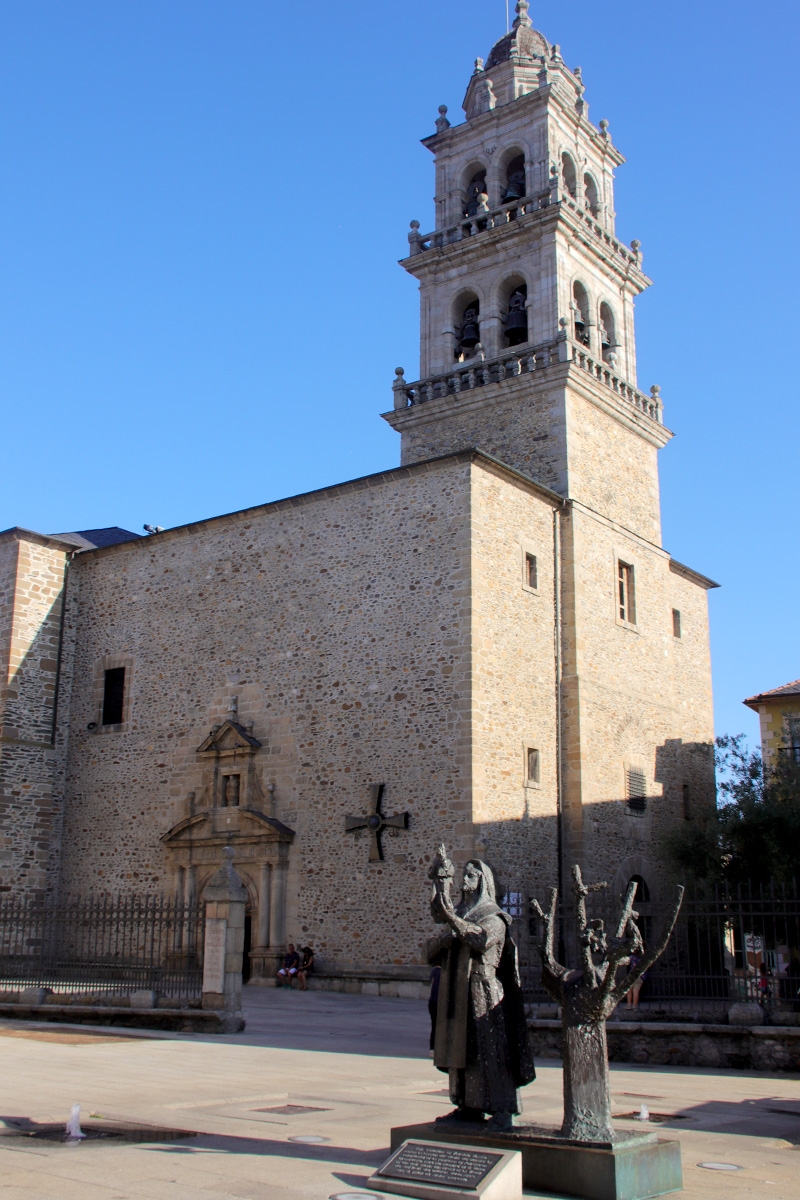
399, 388
544, 78
522, 15
636, 245
578, 73
655, 392
225, 884
478, 65
442, 122
555, 53
414, 240
604, 129
233, 709
479, 353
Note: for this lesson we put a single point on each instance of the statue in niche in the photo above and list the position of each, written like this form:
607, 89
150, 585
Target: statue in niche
481, 1038
230, 791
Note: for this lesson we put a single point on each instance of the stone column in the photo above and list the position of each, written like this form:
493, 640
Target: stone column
263, 907
277, 907
225, 898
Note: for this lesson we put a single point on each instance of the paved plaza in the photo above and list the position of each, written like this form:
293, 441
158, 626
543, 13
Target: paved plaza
356, 1065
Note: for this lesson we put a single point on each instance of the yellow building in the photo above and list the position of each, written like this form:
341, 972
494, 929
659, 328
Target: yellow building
779, 718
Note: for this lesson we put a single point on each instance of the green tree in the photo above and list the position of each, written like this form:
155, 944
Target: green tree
755, 831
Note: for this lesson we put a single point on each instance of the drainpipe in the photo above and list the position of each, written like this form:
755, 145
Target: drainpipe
559, 737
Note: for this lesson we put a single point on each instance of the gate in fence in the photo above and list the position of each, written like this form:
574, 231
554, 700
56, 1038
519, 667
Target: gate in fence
731, 943
103, 945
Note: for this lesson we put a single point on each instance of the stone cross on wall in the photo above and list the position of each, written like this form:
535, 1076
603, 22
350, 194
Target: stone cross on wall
375, 822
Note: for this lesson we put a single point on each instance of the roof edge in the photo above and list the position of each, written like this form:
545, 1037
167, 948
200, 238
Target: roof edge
693, 576
472, 454
17, 533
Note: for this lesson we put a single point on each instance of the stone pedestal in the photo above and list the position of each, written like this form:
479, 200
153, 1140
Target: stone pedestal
635, 1166
225, 898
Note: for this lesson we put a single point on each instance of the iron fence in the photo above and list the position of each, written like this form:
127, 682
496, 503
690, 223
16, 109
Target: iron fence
731, 943
104, 945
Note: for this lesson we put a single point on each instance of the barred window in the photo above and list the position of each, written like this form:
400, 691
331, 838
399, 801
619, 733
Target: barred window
513, 903
636, 790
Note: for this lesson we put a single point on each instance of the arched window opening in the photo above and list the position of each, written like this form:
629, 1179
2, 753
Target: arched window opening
515, 179
468, 331
580, 313
515, 322
608, 337
477, 198
642, 891
569, 176
590, 194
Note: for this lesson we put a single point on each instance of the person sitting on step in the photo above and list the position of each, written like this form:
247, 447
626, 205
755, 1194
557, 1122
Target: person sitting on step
291, 965
306, 967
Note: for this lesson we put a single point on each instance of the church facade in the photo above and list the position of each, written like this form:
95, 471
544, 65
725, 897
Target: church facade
487, 645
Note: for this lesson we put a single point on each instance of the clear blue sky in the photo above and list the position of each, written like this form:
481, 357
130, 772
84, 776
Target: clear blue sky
201, 208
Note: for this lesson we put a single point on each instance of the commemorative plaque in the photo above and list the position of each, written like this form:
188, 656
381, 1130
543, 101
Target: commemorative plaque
436, 1171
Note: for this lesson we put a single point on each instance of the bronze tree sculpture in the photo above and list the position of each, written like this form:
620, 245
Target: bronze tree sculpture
588, 995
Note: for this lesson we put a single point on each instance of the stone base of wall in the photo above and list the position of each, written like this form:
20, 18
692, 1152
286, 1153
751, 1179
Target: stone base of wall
179, 1020
363, 983
757, 1048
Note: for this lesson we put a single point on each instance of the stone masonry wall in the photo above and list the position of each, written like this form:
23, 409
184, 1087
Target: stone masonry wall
341, 621
514, 681
642, 697
31, 585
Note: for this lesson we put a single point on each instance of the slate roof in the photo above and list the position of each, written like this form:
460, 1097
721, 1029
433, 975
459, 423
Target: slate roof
788, 689
93, 539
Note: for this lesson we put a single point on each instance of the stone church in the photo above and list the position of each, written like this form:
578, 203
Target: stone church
487, 645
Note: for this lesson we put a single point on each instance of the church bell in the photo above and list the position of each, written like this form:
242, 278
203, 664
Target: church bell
515, 189
516, 326
470, 331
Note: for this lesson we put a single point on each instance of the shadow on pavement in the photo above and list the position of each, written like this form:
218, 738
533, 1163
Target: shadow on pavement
214, 1143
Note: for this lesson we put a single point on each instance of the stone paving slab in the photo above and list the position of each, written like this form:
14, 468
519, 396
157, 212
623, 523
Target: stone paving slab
363, 1061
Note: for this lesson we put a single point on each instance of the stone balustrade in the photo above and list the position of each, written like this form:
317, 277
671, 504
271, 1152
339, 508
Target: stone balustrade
470, 226
479, 372
493, 218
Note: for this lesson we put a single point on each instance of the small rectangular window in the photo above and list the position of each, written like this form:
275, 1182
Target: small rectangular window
626, 594
676, 623
687, 803
531, 571
531, 765
113, 695
636, 789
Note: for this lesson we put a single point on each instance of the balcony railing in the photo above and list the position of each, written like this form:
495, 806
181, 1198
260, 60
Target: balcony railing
494, 218
479, 372
470, 226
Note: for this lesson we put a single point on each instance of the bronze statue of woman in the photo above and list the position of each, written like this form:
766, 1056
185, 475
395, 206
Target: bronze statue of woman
481, 1036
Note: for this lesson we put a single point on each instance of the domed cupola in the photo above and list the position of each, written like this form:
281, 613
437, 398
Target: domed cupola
514, 63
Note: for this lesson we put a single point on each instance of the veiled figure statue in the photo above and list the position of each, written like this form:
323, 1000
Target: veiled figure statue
481, 1037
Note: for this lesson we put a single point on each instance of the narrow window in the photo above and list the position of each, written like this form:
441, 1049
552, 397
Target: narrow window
532, 765
113, 695
676, 623
531, 571
627, 598
687, 803
636, 789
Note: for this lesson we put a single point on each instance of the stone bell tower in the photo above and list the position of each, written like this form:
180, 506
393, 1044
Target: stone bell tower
527, 347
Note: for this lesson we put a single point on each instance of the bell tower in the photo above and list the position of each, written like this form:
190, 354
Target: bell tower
527, 346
